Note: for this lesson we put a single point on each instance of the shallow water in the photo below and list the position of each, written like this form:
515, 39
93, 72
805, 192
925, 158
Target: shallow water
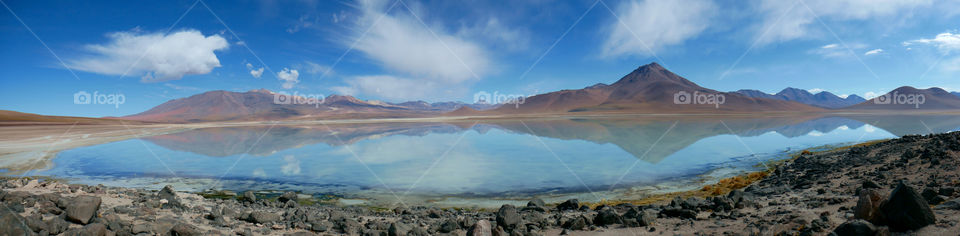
472, 160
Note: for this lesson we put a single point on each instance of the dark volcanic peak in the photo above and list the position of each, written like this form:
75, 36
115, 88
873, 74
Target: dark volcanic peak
955, 93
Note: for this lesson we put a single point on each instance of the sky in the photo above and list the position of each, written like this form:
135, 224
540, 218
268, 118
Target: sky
133, 55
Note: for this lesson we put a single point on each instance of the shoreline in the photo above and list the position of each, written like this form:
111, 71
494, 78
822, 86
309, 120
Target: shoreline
814, 193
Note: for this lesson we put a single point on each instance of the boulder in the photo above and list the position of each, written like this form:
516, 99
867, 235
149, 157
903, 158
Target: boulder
607, 216
481, 228
578, 223
536, 205
855, 228
907, 210
287, 196
508, 217
868, 206
261, 217
12, 223
679, 212
572, 204
95, 229
82, 209
952, 204
183, 229
248, 196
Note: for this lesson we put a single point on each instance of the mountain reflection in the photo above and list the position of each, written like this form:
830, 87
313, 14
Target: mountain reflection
650, 139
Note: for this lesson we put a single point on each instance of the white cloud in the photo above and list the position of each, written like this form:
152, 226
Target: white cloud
815, 90
402, 43
789, 20
256, 73
289, 77
304, 22
653, 25
399, 89
292, 166
834, 50
158, 57
844, 96
946, 42
873, 52
502, 36
315, 69
870, 95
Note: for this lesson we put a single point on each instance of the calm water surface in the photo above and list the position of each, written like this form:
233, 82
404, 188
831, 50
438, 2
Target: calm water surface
463, 162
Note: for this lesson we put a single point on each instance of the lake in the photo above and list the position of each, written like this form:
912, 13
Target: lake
474, 163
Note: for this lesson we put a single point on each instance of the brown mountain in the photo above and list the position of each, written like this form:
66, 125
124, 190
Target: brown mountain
261, 105
907, 98
649, 89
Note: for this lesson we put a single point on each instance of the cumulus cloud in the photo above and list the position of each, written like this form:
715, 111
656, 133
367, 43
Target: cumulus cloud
946, 42
651, 25
401, 43
870, 95
256, 73
157, 57
427, 58
873, 52
815, 90
288, 77
789, 20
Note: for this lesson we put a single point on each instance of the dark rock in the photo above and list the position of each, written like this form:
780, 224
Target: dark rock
907, 210
35, 223
606, 217
855, 228
936, 200
536, 205
94, 229
722, 204
868, 206
947, 191
167, 193
572, 204
870, 184
448, 226
248, 196
287, 196
301, 233
507, 217
82, 209
183, 229
417, 231
481, 228
12, 223
578, 223
678, 212
646, 218
952, 204
928, 194
261, 217
57, 225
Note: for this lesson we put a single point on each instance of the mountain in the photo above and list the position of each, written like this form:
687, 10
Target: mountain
909, 98
444, 106
262, 105
955, 93
822, 99
648, 89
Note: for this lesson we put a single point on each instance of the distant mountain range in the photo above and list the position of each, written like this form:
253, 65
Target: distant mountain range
262, 104
822, 99
649, 89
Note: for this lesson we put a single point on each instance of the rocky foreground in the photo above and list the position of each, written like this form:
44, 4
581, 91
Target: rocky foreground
906, 186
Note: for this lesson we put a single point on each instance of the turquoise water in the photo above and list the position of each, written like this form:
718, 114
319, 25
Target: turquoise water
470, 159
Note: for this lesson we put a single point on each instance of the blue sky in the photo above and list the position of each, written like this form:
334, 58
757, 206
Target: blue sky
154, 51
